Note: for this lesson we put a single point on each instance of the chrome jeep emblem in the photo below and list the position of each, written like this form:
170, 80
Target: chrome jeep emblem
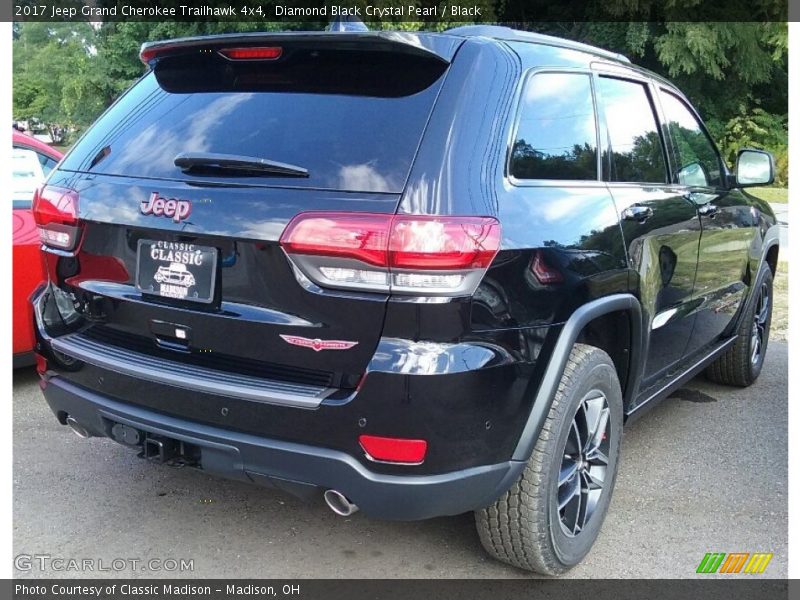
158, 206
317, 344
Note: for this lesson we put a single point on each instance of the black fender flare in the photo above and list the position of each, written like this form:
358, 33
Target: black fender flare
558, 360
771, 240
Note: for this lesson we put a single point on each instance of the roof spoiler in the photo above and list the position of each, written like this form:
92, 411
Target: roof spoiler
441, 48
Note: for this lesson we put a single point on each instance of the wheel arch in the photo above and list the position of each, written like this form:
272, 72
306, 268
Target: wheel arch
588, 323
769, 251
771, 257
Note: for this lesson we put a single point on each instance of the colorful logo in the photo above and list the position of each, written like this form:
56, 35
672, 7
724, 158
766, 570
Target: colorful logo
318, 344
174, 208
735, 562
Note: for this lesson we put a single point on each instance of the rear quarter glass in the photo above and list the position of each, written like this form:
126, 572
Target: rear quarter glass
353, 119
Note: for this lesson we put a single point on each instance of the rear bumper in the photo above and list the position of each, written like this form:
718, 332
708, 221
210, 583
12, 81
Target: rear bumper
298, 468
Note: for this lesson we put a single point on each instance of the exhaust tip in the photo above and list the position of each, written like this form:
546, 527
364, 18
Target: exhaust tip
339, 503
76, 427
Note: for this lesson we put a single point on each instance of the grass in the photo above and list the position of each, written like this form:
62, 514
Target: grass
779, 329
779, 195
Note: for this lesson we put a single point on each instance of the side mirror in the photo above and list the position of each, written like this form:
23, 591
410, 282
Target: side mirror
754, 167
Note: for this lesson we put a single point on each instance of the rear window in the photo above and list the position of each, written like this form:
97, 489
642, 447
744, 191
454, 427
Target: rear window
352, 118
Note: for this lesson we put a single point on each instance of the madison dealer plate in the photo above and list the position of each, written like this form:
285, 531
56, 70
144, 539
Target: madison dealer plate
176, 270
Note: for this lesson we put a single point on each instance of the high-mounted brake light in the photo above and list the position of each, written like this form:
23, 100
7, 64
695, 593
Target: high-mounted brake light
395, 450
149, 53
55, 211
252, 53
419, 254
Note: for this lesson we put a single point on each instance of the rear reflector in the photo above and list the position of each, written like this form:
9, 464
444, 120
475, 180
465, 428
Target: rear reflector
544, 273
41, 364
439, 255
259, 53
55, 211
396, 450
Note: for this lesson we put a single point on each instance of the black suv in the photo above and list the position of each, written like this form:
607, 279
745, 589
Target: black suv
419, 274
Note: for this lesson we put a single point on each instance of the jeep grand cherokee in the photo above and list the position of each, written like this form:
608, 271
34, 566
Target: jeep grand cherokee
418, 273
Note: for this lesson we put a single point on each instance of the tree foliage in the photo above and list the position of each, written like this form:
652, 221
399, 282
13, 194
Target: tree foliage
53, 79
65, 74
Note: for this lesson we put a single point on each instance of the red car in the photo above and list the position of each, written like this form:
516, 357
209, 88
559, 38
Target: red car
31, 161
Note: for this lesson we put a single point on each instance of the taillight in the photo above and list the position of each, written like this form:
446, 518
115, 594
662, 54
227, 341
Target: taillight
411, 254
252, 53
55, 211
394, 450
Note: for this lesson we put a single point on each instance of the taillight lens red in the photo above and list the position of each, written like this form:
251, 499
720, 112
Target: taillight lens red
442, 255
344, 235
55, 211
443, 243
396, 450
252, 53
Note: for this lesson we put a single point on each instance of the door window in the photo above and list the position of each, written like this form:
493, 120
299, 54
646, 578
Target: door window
557, 133
637, 153
694, 159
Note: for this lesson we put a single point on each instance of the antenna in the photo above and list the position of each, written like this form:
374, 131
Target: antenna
347, 23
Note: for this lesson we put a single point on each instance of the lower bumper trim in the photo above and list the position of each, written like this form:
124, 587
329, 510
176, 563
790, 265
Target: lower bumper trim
298, 468
190, 377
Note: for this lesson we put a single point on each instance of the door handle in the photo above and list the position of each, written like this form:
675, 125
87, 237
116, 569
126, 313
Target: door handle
707, 210
637, 213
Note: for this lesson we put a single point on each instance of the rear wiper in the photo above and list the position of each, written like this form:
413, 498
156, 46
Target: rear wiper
210, 162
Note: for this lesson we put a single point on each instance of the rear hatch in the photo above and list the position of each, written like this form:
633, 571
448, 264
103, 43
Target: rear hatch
185, 185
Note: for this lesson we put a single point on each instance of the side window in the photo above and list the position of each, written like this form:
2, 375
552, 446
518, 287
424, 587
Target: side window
26, 176
637, 154
557, 133
46, 162
695, 162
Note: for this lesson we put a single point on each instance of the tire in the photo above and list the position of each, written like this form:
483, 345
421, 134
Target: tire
742, 363
525, 527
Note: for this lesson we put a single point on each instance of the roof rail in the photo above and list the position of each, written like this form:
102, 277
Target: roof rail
500, 32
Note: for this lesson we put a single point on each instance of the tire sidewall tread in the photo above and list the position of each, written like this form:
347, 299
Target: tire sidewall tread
519, 528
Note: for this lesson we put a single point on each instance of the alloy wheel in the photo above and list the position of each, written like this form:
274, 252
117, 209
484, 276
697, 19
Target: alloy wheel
582, 478
759, 330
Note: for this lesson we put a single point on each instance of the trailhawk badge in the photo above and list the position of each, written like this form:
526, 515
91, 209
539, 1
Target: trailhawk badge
157, 206
317, 344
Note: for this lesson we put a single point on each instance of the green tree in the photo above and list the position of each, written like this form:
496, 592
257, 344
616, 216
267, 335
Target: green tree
736, 73
52, 84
